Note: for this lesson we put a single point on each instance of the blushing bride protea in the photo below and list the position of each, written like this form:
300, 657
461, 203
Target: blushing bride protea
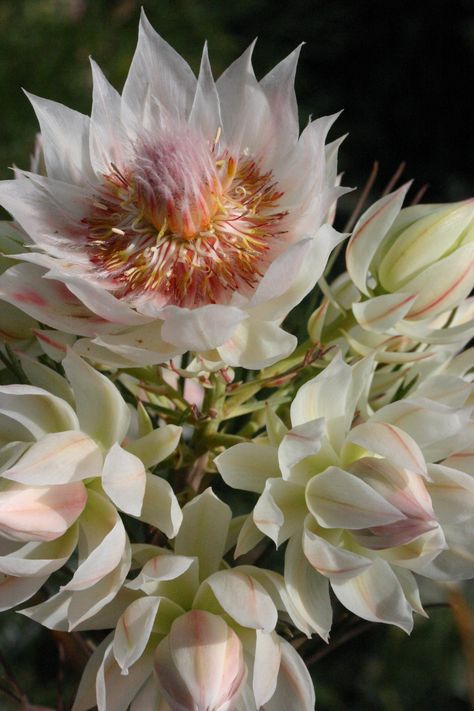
183, 215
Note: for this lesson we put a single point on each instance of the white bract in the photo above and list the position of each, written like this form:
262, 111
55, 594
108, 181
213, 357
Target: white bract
66, 467
364, 500
191, 634
412, 266
183, 215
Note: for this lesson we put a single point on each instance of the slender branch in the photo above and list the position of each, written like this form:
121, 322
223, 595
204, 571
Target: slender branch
420, 194
338, 642
394, 179
363, 197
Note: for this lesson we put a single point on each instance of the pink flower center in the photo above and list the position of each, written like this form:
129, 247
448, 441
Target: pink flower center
183, 224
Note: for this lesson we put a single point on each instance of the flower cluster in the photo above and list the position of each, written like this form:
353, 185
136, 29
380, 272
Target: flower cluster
154, 251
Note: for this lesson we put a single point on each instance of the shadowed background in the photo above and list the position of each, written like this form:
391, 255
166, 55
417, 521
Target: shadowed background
402, 72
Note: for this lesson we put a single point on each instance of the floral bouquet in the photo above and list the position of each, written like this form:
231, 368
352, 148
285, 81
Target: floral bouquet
185, 484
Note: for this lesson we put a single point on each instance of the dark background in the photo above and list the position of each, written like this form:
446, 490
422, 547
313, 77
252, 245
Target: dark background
403, 73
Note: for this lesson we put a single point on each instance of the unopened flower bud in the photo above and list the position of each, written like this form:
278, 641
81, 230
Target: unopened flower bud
200, 664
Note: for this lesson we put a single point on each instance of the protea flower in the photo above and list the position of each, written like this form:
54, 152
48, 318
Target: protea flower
364, 500
66, 467
190, 633
184, 214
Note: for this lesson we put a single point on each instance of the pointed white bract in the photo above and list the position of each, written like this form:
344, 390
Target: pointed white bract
362, 500
65, 470
179, 206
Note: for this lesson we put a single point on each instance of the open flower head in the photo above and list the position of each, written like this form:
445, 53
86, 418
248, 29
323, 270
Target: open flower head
185, 213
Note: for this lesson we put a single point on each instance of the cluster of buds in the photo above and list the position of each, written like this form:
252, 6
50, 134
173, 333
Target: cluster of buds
155, 250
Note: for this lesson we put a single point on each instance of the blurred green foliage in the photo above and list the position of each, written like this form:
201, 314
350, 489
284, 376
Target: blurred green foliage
400, 70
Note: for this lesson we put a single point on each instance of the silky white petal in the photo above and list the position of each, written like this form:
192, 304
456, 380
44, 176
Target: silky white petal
160, 506
294, 687
256, 344
48, 301
338, 499
266, 666
293, 274
205, 112
278, 86
102, 412
333, 561
115, 690
14, 591
155, 446
368, 234
133, 631
300, 442
248, 465
452, 493
376, 595
242, 597
34, 412
203, 531
390, 442
308, 591
157, 70
57, 458
65, 141
383, 312
40, 513
280, 510
107, 135
103, 540
200, 329
124, 480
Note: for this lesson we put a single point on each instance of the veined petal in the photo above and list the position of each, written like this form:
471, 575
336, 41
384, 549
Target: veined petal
107, 135
383, 312
338, 499
369, 233
242, 597
205, 112
48, 301
376, 595
308, 591
278, 86
133, 631
294, 687
65, 141
333, 561
391, 442
57, 458
158, 71
442, 285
